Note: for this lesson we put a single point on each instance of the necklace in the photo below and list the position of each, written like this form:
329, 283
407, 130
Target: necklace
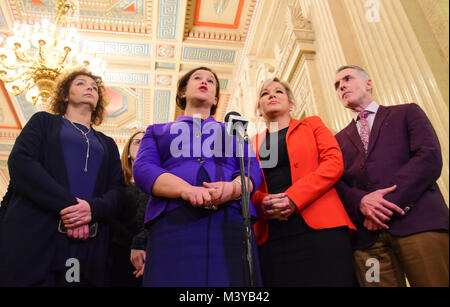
87, 141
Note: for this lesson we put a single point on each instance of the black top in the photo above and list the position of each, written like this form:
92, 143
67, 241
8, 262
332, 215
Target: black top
278, 178
128, 229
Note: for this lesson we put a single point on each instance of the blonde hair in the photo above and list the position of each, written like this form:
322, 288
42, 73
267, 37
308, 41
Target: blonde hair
286, 86
127, 166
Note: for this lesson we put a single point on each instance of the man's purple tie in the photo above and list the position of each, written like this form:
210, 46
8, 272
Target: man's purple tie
364, 130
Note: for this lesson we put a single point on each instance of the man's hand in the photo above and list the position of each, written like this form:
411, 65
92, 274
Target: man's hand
377, 210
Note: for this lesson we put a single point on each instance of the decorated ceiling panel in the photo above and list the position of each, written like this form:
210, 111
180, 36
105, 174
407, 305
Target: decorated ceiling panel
147, 46
129, 16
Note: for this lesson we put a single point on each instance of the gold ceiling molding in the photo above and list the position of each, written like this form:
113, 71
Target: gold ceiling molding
9, 134
220, 5
299, 25
217, 31
296, 20
106, 15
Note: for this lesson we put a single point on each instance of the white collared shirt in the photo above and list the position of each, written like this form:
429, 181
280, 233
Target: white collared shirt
372, 108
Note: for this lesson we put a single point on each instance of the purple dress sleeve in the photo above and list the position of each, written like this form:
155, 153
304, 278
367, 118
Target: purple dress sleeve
147, 166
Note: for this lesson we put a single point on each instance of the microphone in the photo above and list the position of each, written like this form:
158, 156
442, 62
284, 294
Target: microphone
236, 124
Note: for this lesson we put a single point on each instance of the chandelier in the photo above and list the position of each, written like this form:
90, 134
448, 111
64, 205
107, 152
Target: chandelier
35, 55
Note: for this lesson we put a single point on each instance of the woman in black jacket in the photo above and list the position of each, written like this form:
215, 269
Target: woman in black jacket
65, 181
128, 234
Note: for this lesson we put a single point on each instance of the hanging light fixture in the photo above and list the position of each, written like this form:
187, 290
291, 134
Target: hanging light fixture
34, 56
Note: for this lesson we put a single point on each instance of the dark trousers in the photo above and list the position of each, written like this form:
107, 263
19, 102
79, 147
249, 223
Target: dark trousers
59, 279
298, 256
121, 273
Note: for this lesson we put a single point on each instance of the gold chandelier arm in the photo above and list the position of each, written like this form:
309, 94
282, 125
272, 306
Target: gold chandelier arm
17, 91
10, 67
14, 66
22, 56
34, 70
44, 95
67, 50
12, 79
41, 53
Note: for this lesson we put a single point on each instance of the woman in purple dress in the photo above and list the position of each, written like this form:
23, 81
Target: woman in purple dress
191, 170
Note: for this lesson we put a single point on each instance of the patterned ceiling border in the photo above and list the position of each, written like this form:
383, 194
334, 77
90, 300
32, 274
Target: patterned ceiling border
164, 65
127, 9
162, 106
8, 136
209, 55
6, 147
129, 78
164, 80
115, 48
123, 16
165, 51
168, 18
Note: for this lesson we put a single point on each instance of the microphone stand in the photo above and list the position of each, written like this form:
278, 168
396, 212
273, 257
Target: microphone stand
245, 206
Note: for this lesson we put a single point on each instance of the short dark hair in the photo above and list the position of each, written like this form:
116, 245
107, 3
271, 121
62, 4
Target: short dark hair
181, 87
360, 70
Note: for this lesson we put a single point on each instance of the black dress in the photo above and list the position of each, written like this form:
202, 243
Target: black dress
127, 233
294, 254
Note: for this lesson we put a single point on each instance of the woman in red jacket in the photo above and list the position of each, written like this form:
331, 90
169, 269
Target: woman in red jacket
303, 229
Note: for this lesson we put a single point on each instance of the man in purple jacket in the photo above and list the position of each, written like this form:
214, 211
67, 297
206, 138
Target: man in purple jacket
392, 160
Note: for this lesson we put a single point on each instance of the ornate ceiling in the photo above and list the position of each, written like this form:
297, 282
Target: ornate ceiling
147, 45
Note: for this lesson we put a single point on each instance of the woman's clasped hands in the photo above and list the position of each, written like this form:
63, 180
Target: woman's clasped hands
278, 206
211, 194
76, 219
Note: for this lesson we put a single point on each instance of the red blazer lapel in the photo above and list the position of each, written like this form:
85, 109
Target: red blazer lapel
292, 125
